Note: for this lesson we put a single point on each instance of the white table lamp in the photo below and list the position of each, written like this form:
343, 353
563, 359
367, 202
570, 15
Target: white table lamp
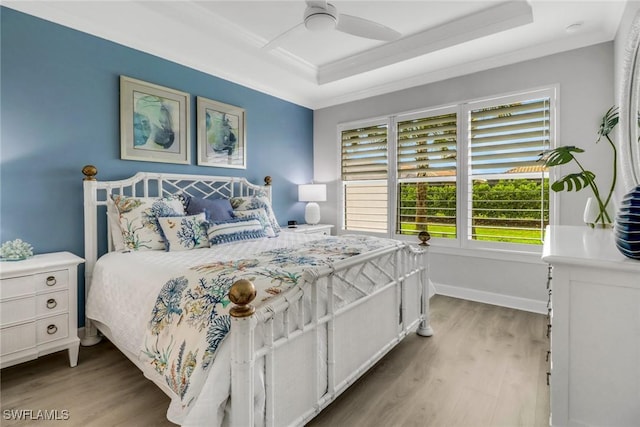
312, 193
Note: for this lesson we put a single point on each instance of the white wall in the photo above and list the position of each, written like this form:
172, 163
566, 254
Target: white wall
586, 90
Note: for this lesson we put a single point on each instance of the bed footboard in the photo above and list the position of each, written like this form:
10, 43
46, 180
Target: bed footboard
337, 344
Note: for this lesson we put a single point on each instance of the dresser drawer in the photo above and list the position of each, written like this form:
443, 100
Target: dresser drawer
16, 338
51, 303
52, 328
52, 280
16, 310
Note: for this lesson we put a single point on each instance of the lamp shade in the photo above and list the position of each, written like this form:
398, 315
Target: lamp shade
312, 193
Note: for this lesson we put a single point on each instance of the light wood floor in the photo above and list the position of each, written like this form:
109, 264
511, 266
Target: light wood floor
485, 366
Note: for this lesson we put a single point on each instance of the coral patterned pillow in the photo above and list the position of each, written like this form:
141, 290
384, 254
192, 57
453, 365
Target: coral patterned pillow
183, 233
260, 200
139, 220
261, 215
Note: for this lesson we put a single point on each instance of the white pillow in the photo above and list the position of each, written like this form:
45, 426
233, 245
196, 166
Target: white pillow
139, 220
114, 225
261, 215
183, 233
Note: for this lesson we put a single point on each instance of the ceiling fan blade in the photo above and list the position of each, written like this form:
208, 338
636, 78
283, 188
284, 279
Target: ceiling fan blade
364, 28
275, 42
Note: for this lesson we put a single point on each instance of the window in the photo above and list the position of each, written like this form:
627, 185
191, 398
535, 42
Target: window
364, 176
509, 188
426, 169
467, 173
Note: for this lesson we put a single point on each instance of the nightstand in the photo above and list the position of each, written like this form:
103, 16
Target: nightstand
310, 229
38, 307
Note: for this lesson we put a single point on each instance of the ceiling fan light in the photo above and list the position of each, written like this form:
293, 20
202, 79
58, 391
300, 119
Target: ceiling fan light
320, 22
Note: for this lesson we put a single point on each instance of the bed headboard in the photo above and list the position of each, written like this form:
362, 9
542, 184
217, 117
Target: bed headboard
149, 184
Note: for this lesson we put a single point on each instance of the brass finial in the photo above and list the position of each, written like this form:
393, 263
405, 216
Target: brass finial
89, 172
267, 180
424, 237
241, 293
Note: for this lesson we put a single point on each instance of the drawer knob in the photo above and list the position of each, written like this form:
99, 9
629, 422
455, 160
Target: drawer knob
51, 303
51, 280
52, 329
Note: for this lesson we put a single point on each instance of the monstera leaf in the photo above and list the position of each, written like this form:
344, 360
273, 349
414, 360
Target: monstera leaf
576, 181
609, 121
560, 155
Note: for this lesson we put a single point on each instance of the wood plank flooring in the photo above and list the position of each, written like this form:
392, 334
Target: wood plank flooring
485, 366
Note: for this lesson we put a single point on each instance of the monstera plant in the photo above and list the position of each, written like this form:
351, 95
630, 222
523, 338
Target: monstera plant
585, 178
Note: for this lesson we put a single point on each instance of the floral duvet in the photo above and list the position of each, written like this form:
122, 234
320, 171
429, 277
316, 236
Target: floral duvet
189, 319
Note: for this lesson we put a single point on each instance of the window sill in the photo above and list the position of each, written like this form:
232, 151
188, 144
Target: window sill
496, 254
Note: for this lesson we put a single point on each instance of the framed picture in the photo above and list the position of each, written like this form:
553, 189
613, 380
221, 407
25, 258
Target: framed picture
154, 123
221, 135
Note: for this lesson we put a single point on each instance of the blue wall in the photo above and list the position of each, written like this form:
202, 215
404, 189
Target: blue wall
60, 111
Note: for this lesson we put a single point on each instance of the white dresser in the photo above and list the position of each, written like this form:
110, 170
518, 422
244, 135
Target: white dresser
595, 329
38, 307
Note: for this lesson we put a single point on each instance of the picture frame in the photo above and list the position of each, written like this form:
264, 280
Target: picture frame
154, 123
221, 134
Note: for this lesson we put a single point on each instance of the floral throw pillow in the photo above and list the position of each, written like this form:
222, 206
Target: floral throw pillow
183, 233
261, 215
260, 200
139, 220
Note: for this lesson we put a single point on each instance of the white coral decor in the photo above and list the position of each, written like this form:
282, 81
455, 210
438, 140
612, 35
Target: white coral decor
16, 249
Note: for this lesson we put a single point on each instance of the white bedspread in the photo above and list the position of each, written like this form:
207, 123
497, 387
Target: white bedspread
125, 286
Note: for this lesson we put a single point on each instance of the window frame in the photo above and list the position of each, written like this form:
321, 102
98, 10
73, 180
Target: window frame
462, 243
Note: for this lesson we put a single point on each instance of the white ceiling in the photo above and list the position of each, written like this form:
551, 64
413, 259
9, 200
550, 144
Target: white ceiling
440, 39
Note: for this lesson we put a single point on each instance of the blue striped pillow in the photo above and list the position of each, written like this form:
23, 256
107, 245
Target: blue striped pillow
235, 230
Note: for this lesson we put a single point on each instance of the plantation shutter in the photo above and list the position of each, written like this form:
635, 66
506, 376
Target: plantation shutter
509, 196
508, 136
364, 175
426, 163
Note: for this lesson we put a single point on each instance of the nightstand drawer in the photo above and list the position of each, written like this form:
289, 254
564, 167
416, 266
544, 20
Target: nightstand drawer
16, 338
52, 328
17, 286
51, 303
16, 310
52, 280
27, 285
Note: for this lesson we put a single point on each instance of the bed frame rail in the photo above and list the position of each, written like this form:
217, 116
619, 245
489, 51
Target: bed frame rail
406, 283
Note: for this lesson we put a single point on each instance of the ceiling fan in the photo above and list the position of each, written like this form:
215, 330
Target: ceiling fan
323, 16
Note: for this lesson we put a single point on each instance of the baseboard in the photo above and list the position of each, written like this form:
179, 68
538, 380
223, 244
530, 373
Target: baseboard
525, 304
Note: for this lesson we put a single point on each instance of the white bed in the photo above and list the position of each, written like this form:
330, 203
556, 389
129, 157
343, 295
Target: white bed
283, 363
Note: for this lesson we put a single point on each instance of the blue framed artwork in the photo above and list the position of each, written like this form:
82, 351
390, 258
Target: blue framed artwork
221, 135
154, 123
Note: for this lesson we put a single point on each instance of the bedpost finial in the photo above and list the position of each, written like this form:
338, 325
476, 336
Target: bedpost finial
424, 237
267, 180
89, 172
241, 293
